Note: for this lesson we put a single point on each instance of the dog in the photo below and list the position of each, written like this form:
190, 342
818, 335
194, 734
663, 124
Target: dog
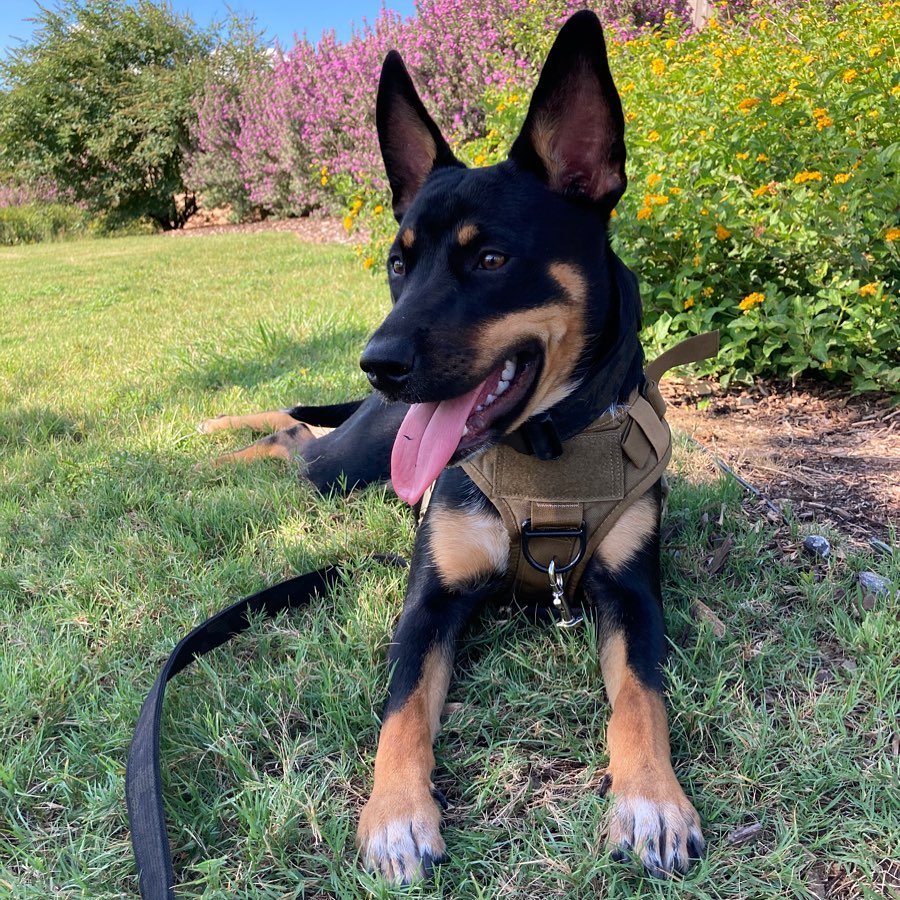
513, 328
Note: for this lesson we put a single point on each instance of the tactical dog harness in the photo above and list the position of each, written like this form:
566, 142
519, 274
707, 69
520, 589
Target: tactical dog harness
558, 511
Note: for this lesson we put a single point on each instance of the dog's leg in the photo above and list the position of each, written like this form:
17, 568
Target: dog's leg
284, 444
265, 421
458, 563
651, 816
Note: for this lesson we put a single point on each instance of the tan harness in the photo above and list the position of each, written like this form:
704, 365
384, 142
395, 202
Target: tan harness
560, 510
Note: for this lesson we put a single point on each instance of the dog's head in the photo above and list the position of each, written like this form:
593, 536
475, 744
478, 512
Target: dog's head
501, 276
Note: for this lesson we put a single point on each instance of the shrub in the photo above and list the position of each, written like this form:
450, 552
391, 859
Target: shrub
297, 131
31, 223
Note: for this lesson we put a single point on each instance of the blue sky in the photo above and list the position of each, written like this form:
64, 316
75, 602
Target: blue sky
277, 19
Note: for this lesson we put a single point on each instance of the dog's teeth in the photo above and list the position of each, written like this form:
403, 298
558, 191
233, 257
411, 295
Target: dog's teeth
501, 387
479, 408
465, 430
508, 370
489, 399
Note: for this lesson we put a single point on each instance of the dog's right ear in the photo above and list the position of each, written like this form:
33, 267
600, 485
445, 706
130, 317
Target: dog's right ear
412, 146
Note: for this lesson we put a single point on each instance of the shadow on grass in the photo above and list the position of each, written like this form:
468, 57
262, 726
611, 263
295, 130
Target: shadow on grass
39, 427
268, 356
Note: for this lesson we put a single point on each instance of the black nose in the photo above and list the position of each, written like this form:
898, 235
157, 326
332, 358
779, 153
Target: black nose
387, 363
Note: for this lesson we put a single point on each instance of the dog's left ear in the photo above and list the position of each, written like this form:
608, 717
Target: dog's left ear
412, 146
574, 134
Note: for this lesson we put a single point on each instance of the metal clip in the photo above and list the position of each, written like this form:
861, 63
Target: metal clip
557, 589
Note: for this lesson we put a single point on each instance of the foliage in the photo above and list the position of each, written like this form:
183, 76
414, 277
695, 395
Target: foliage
297, 131
30, 223
99, 102
764, 175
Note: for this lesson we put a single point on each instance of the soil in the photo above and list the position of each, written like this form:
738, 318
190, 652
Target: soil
830, 458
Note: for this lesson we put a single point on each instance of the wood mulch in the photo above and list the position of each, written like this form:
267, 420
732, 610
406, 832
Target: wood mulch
832, 457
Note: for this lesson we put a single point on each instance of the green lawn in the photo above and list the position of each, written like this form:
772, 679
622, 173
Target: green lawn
112, 546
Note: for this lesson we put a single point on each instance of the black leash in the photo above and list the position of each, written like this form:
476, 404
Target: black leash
143, 786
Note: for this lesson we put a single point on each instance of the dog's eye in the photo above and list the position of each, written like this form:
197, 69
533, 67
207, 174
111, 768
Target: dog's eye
491, 260
396, 266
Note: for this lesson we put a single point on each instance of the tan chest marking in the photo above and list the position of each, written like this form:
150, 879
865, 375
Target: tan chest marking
467, 546
628, 535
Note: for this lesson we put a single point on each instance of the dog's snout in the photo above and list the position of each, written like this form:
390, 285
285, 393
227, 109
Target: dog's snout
387, 363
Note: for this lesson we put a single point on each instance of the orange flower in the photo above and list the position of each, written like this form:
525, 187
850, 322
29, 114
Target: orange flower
869, 290
892, 234
689, 303
842, 177
751, 300
803, 177
368, 262
722, 233
748, 103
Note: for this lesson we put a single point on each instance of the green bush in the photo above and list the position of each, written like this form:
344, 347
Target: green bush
763, 165
35, 222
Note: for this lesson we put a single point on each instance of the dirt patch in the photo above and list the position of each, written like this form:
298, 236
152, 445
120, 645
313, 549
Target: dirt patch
834, 458
310, 229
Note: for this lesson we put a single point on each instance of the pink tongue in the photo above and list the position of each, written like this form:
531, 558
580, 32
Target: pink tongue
427, 439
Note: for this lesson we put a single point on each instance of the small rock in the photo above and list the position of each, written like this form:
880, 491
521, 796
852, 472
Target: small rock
849, 665
868, 602
816, 545
874, 584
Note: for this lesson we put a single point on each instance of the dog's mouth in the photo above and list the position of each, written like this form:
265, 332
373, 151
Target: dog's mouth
434, 435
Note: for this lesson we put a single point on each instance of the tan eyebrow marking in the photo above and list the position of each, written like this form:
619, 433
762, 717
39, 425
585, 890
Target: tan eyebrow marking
466, 233
408, 238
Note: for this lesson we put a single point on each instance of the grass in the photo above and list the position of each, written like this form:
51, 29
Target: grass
112, 546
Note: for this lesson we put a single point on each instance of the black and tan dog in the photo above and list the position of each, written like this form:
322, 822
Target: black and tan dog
514, 326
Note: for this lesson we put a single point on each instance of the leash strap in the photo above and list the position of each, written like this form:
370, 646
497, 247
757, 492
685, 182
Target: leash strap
143, 785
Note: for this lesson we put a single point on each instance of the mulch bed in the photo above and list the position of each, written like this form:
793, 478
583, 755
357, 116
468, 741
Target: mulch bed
833, 457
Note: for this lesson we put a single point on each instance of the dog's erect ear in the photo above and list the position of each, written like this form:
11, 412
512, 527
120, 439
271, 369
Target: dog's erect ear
574, 134
411, 144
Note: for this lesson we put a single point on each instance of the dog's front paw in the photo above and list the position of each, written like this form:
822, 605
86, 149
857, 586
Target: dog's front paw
399, 834
656, 823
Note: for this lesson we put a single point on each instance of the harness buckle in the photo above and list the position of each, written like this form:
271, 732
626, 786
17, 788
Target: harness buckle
567, 619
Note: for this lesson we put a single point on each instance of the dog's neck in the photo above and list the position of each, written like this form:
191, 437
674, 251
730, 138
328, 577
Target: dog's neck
610, 375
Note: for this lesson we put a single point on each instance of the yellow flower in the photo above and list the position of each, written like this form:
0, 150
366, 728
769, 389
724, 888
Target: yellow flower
763, 189
808, 58
614, 215
742, 156
689, 303
849, 76
501, 107
821, 111
675, 191
324, 180
722, 233
707, 292
324, 170
653, 137
762, 158
479, 159
778, 99
657, 66
824, 122
697, 260
842, 177
368, 262
644, 212
747, 104
803, 177
653, 180
348, 223
869, 290
378, 210
655, 199
751, 300
704, 211
892, 234
671, 43
513, 98
356, 205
